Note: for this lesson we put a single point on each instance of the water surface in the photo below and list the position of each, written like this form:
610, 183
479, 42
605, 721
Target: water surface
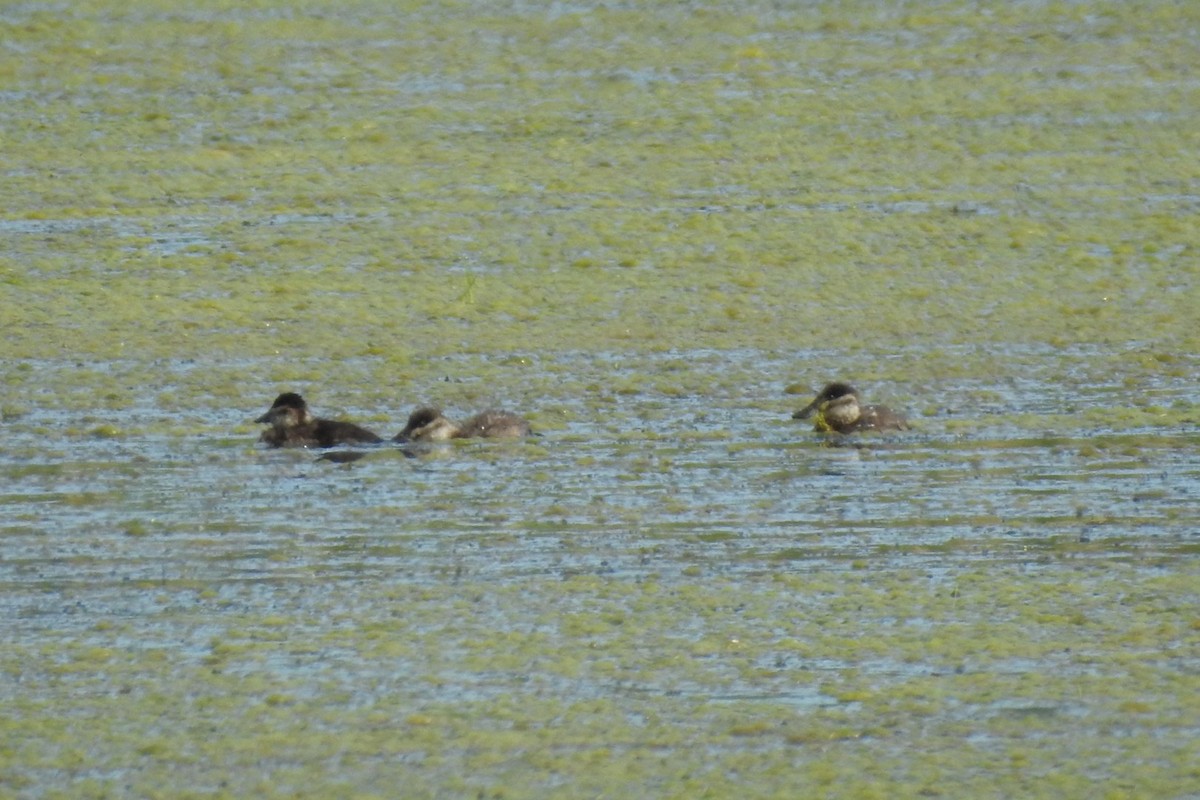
655, 229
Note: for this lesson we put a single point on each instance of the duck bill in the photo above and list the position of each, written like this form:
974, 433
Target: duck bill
265, 419
806, 412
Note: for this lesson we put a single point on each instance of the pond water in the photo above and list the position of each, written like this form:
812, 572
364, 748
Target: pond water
655, 230
707, 570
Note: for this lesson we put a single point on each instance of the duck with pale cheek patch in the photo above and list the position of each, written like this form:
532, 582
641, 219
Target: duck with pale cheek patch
428, 425
293, 425
839, 409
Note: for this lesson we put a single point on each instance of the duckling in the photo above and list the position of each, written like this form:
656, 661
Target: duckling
427, 424
293, 425
839, 411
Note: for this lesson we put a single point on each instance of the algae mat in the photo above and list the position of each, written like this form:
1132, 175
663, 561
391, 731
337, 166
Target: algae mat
654, 228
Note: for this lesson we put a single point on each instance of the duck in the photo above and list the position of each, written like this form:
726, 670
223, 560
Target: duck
839, 409
428, 424
293, 425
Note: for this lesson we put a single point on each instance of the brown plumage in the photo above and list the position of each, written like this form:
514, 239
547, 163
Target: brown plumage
293, 425
839, 410
427, 424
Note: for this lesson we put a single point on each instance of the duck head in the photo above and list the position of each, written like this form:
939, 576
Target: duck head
843, 394
288, 411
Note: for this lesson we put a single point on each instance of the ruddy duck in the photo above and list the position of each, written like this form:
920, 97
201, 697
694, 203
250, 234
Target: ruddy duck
839, 411
427, 424
293, 425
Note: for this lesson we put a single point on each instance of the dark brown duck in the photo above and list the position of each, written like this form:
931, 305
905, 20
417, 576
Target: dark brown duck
427, 424
293, 425
838, 409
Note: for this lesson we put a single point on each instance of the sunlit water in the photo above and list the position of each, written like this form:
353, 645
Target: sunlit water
675, 589
652, 484
624, 556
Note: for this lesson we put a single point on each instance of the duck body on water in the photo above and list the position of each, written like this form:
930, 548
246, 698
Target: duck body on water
838, 408
293, 425
428, 424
